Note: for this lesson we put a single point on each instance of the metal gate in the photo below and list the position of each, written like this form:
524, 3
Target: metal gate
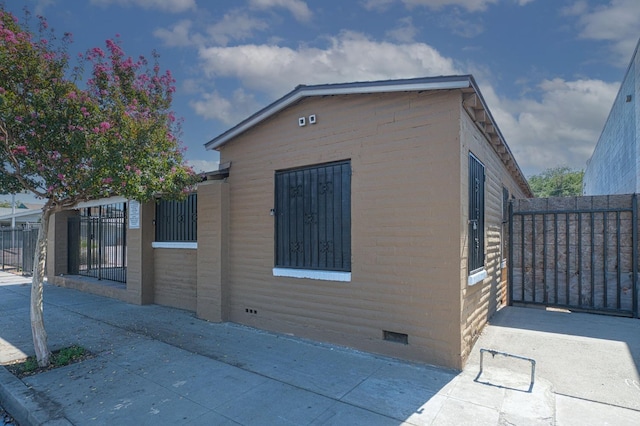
578, 253
18, 246
97, 243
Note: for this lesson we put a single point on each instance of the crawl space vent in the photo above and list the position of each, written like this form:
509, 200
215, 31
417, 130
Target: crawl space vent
394, 337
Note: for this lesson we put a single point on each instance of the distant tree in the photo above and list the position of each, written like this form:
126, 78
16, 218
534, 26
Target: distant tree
557, 182
68, 144
5, 204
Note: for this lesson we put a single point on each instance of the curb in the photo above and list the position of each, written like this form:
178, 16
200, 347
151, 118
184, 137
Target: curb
28, 407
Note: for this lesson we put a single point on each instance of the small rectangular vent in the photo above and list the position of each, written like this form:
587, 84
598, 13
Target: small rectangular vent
394, 337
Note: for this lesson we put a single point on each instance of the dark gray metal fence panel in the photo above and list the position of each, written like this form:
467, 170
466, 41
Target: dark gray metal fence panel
575, 258
18, 248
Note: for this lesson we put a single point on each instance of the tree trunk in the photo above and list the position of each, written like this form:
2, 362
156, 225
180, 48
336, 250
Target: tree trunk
37, 318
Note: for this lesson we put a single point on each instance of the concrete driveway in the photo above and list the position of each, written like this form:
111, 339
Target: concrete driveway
592, 361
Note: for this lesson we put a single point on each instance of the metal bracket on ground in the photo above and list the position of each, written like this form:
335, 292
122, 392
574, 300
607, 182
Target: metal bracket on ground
494, 353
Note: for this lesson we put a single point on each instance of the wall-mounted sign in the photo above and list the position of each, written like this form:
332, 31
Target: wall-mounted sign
134, 214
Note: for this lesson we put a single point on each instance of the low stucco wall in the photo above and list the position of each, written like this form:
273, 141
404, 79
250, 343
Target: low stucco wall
175, 278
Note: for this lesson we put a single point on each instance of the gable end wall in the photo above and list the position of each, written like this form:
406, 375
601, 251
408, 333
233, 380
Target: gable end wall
404, 152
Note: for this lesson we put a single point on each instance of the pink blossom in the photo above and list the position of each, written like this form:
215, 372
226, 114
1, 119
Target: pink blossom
9, 36
97, 52
20, 150
104, 126
72, 95
107, 180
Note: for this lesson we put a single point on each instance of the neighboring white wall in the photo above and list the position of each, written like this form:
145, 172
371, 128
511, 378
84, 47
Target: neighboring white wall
614, 167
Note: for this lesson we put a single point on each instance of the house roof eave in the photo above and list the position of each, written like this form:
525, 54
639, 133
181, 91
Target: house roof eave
477, 109
302, 91
482, 117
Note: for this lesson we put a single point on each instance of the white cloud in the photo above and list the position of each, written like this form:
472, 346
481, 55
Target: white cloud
41, 5
177, 36
200, 166
350, 56
173, 6
275, 70
405, 32
235, 25
377, 5
561, 128
458, 25
470, 5
229, 111
616, 22
298, 8
576, 9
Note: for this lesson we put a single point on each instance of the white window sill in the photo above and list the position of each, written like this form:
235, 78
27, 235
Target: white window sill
477, 277
312, 274
169, 245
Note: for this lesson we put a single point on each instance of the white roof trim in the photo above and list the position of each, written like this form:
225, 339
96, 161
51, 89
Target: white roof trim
100, 202
307, 91
22, 213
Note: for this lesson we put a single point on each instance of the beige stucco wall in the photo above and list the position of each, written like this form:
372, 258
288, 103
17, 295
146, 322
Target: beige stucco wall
213, 225
175, 273
404, 151
481, 300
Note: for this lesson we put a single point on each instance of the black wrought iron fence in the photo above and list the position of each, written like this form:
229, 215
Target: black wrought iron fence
18, 246
98, 245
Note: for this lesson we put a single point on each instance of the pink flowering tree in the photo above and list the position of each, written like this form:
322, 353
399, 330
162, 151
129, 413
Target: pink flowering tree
67, 143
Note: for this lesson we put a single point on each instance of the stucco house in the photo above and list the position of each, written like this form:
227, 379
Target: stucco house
367, 214
614, 166
371, 215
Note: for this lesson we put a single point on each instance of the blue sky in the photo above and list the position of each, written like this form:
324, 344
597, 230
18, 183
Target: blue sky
548, 69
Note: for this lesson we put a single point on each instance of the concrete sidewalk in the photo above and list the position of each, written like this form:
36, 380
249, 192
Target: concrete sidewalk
157, 365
